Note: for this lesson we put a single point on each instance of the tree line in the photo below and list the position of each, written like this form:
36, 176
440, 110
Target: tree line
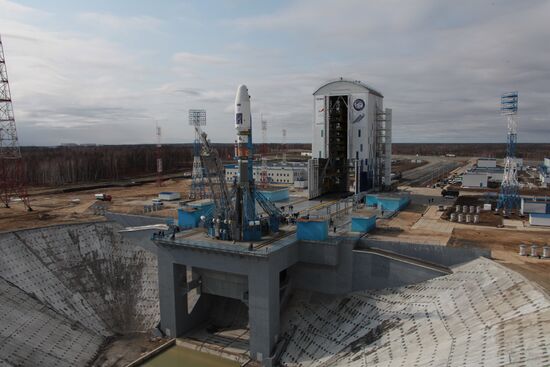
62, 165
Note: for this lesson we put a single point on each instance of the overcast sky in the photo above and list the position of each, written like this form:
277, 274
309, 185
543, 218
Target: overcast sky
104, 71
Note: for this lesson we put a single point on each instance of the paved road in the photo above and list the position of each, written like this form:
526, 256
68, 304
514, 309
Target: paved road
429, 173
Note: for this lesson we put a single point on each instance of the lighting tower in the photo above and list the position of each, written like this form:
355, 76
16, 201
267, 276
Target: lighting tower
12, 172
159, 157
284, 146
197, 118
263, 172
509, 191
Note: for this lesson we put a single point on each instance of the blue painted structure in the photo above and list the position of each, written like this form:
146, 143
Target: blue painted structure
189, 216
371, 200
276, 195
390, 203
312, 229
363, 224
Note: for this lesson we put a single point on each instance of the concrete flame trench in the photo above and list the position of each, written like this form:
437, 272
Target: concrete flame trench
264, 278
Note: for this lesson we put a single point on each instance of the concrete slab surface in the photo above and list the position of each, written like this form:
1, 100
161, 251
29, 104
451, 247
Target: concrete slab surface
482, 315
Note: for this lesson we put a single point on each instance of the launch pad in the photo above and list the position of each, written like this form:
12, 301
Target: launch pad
261, 276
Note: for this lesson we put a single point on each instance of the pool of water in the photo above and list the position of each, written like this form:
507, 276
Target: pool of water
183, 357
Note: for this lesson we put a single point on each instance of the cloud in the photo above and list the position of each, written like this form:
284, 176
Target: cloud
188, 58
118, 23
441, 66
15, 9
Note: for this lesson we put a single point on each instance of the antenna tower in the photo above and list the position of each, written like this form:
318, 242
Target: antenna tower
159, 157
12, 168
284, 146
263, 173
197, 118
508, 198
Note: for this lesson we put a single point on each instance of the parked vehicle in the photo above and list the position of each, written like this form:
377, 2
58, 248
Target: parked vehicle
103, 197
450, 193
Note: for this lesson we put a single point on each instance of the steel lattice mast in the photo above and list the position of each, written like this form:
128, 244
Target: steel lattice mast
263, 172
197, 118
159, 155
509, 191
284, 148
12, 170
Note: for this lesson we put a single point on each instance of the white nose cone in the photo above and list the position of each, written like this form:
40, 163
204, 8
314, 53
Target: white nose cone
242, 110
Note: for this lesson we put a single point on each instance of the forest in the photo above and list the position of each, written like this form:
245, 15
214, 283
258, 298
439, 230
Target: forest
62, 165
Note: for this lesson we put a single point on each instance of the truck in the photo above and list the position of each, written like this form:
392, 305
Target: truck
103, 197
450, 194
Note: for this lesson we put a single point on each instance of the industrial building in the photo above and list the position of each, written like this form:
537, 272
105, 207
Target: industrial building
475, 179
351, 134
276, 173
482, 176
544, 173
487, 162
540, 205
542, 220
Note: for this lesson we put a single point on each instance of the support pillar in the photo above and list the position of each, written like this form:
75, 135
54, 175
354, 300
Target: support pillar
175, 318
263, 311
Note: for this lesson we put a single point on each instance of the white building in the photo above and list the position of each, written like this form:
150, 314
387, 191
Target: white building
487, 162
472, 179
535, 205
544, 173
493, 174
169, 195
351, 131
283, 174
539, 219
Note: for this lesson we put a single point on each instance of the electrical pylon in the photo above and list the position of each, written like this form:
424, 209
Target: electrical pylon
508, 198
12, 167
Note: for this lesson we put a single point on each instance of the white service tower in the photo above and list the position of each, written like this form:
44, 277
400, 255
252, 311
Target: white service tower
351, 133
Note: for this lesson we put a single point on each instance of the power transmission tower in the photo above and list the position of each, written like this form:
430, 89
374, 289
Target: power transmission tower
159, 156
263, 172
197, 118
509, 190
12, 168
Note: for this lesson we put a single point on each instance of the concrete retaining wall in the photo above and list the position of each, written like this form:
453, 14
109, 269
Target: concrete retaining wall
374, 271
129, 220
319, 253
85, 276
325, 277
442, 255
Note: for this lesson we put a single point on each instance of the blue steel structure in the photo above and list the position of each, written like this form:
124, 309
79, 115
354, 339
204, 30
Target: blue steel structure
508, 198
197, 118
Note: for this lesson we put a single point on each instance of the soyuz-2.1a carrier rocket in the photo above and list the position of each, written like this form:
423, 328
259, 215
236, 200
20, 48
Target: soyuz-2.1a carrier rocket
248, 225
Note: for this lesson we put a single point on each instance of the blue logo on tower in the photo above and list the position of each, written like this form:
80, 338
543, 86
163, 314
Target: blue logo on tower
358, 104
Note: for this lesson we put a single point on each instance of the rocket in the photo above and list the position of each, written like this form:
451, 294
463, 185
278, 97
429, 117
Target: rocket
243, 124
245, 206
